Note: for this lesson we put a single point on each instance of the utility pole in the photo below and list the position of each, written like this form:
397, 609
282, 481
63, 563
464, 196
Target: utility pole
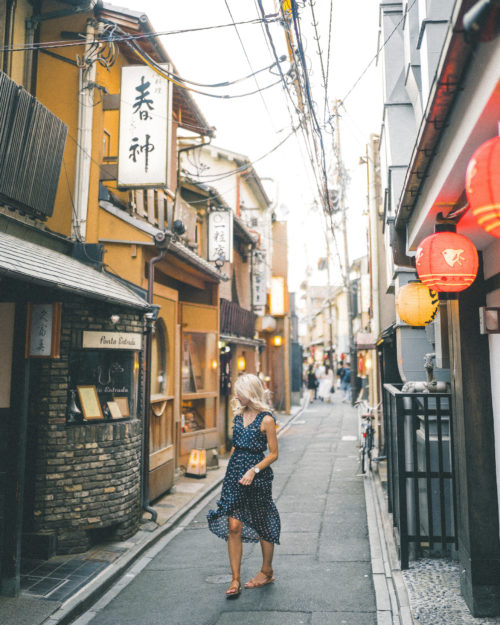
330, 311
347, 277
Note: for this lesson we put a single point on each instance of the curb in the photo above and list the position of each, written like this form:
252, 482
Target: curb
390, 591
88, 596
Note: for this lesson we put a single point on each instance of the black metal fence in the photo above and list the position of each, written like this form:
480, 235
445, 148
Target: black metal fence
420, 474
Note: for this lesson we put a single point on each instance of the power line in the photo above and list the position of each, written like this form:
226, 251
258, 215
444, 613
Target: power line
328, 53
215, 177
307, 86
248, 60
356, 82
303, 123
145, 58
79, 42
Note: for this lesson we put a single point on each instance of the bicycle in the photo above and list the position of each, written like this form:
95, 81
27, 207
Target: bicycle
367, 415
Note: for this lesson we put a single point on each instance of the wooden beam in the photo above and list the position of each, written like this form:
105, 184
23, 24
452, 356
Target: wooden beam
477, 522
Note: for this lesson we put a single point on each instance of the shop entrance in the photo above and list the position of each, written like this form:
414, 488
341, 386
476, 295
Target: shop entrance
7, 311
162, 401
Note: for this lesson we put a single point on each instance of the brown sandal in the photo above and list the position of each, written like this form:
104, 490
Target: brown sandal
234, 590
255, 584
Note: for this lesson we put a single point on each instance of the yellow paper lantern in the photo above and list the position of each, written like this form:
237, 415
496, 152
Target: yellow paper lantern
197, 464
416, 304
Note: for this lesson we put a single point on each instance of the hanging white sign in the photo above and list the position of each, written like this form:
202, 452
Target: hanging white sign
220, 235
145, 117
277, 303
259, 283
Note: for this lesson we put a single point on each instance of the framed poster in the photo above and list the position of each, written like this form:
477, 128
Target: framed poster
89, 401
123, 406
114, 410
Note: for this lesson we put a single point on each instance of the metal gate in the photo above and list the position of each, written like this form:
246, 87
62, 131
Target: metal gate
420, 471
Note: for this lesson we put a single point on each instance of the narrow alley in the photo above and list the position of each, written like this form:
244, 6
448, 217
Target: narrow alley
322, 567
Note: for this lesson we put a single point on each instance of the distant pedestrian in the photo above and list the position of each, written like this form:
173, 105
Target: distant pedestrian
325, 384
345, 383
312, 382
246, 512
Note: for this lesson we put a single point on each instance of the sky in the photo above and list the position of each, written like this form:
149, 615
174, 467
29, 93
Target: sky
253, 125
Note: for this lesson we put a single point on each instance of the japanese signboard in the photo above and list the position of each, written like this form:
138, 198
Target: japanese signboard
220, 235
259, 283
43, 330
145, 118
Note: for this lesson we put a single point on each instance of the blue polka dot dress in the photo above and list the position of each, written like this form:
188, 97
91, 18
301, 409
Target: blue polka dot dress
252, 505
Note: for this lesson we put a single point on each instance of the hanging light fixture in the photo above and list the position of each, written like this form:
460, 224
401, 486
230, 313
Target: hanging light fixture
482, 185
416, 304
447, 262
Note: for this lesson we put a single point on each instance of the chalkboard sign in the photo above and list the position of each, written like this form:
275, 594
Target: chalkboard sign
112, 374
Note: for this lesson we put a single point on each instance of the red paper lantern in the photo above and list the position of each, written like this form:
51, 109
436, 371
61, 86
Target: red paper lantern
482, 184
447, 262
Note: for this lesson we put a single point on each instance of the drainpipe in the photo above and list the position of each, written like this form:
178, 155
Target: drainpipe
162, 241
28, 55
86, 77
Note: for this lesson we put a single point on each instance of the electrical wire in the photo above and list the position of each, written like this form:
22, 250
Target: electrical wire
226, 83
328, 55
269, 40
126, 37
233, 172
248, 61
307, 86
159, 70
356, 82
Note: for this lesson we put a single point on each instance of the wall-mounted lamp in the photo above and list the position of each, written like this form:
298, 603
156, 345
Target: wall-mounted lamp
479, 21
489, 320
277, 340
241, 363
219, 263
178, 227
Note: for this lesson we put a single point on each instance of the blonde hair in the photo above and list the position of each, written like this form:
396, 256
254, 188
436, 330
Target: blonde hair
249, 386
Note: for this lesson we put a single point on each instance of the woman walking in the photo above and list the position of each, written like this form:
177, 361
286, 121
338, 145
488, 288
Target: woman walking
246, 512
312, 382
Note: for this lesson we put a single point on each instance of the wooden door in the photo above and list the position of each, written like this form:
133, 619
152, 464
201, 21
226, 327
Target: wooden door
7, 311
162, 407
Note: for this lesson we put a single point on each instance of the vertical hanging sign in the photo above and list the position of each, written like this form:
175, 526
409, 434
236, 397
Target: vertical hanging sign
277, 303
43, 330
259, 283
144, 127
220, 235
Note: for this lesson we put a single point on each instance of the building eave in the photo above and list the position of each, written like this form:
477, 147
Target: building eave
190, 118
452, 68
176, 248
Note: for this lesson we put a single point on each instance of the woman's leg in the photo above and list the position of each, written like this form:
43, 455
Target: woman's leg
235, 550
267, 557
265, 575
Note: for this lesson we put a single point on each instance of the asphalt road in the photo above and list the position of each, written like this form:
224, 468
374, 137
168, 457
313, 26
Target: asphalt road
322, 567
